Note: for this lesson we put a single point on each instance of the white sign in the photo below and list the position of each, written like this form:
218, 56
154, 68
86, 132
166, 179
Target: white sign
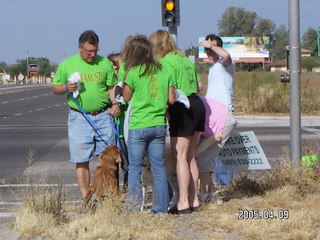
242, 151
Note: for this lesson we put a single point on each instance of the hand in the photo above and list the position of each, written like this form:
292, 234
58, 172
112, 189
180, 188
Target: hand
115, 110
71, 87
206, 44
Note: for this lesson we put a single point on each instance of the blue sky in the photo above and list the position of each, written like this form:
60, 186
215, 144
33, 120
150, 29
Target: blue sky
43, 28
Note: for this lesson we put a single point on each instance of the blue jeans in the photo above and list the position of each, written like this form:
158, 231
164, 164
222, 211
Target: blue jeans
84, 142
223, 176
152, 141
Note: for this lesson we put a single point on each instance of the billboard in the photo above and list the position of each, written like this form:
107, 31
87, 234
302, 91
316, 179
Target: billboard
242, 47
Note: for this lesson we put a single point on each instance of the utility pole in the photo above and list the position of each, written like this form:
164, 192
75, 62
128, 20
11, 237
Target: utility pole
27, 66
295, 99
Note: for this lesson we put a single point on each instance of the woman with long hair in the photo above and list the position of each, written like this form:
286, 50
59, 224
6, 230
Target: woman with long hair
150, 88
186, 124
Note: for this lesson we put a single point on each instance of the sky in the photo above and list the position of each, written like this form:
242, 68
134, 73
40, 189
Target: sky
50, 29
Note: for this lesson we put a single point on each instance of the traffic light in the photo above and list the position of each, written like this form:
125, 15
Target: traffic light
170, 13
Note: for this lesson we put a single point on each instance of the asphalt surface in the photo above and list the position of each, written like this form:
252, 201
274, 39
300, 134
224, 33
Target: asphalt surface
309, 125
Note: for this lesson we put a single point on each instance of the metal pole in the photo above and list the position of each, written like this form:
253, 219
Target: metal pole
294, 66
174, 33
27, 67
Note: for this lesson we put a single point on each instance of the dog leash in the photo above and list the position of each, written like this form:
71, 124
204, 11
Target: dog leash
97, 130
117, 133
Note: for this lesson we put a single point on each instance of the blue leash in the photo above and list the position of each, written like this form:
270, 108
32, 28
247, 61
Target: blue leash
100, 134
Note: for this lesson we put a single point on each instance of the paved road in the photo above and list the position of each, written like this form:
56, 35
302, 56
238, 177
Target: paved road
33, 120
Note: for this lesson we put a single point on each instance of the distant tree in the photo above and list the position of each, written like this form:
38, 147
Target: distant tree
3, 65
192, 51
237, 22
21, 66
264, 27
280, 43
45, 66
309, 41
309, 62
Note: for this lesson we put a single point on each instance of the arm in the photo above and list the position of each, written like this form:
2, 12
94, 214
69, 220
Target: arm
115, 108
172, 95
221, 52
127, 93
200, 86
62, 89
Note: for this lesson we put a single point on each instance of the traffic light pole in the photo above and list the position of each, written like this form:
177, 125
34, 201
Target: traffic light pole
294, 66
174, 33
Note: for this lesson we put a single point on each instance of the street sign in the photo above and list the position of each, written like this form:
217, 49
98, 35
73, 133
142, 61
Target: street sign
319, 46
242, 151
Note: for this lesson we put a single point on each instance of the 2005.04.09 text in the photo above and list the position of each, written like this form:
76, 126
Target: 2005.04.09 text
264, 214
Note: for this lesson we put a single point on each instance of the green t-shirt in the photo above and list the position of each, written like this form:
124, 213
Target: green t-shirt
95, 79
150, 97
124, 106
184, 72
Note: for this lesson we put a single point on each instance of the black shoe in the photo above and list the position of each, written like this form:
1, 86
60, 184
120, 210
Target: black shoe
175, 210
195, 209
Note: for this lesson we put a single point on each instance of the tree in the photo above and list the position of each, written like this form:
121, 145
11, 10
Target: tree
21, 66
264, 27
3, 66
45, 66
280, 43
309, 41
237, 22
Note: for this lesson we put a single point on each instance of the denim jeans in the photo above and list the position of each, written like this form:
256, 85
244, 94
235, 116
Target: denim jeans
152, 141
223, 176
84, 142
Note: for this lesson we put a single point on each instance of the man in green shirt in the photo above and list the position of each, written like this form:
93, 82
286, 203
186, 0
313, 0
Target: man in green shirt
94, 93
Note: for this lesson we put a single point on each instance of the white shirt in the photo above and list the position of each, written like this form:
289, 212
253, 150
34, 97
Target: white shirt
220, 84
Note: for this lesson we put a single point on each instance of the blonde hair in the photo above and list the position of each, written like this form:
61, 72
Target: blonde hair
138, 51
115, 58
162, 44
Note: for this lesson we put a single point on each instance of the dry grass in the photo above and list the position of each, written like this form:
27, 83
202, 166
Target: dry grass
263, 93
280, 190
107, 222
45, 216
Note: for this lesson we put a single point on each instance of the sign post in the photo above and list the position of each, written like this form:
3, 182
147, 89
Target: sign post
318, 41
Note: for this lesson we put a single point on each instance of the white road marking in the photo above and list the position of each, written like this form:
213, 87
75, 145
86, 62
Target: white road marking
312, 130
36, 185
7, 215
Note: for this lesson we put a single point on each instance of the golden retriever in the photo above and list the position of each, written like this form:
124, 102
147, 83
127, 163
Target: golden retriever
105, 181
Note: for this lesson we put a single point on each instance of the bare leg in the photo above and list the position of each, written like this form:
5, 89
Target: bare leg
193, 189
83, 177
206, 183
180, 147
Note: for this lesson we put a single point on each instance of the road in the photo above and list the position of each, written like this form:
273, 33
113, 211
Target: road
32, 119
